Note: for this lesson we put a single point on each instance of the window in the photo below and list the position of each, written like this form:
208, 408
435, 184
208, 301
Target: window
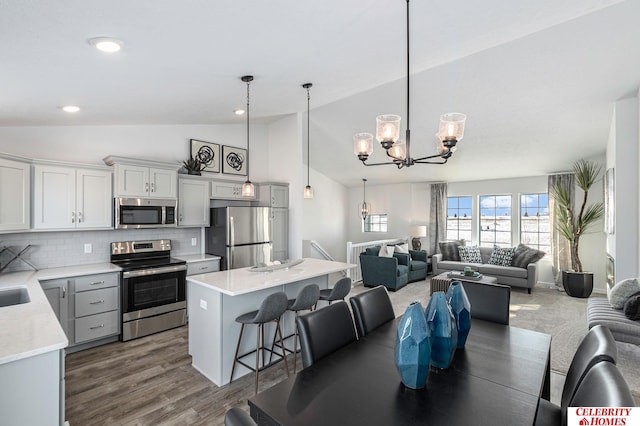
535, 229
459, 218
495, 220
375, 223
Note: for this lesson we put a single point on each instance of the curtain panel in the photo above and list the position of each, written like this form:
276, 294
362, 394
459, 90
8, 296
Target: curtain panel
437, 216
560, 249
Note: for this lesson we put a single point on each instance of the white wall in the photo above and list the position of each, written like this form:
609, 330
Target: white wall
285, 165
623, 155
325, 215
90, 144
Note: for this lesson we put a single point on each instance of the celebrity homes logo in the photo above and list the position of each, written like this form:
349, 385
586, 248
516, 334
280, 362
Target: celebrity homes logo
603, 416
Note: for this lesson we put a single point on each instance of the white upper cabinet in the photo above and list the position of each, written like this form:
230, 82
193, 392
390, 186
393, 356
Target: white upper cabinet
71, 198
193, 201
228, 190
144, 179
274, 195
15, 194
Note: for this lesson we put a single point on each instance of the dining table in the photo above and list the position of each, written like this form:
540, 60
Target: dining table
497, 378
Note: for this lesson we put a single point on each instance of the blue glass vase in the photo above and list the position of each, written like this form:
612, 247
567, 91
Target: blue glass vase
461, 308
442, 326
413, 347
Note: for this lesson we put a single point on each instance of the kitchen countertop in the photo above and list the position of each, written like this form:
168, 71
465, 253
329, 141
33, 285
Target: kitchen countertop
241, 281
197, 257
32, 328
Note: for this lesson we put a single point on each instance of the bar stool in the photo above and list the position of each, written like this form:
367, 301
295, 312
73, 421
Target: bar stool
271, 309
306, 299
339, 291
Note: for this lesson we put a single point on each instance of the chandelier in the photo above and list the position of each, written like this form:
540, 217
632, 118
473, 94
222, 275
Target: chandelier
450, 132
308, 191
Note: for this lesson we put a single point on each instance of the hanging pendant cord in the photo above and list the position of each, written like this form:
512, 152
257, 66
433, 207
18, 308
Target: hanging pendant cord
408, 132
308, 165
248, 82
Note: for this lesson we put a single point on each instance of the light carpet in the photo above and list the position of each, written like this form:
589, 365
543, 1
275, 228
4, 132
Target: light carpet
546, 310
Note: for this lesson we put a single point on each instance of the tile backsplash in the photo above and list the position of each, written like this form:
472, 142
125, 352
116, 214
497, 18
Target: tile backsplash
55, 249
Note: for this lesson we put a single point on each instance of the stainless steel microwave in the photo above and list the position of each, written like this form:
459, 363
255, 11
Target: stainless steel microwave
135, 213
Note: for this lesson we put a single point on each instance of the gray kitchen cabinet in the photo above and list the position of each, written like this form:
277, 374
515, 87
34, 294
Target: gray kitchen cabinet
87, 307
203, 266
193, 201
143, 178
228, 190
67, 197
274, 195
15, 197
280, 233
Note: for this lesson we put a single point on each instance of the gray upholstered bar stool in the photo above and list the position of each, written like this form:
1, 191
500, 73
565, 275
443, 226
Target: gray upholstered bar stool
271, 309
305, 300
339, 291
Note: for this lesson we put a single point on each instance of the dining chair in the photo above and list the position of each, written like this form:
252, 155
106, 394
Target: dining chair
238, 417
324, 331
603, 386
371, 309
340, 290
489, 302
596, 347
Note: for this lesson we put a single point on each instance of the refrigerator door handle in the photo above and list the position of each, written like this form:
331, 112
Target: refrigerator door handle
232, 241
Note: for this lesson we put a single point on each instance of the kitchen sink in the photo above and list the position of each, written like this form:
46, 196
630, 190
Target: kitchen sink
14, 296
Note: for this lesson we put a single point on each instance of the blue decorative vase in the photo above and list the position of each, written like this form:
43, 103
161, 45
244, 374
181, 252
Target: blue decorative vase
413, 347
444, 334
461, 308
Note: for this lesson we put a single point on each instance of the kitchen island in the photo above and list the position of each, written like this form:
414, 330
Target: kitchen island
217, 298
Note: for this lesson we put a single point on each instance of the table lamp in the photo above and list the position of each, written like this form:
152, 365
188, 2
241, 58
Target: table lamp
417, 231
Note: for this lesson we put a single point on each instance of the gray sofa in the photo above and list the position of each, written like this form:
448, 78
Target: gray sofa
600, 312
507, 275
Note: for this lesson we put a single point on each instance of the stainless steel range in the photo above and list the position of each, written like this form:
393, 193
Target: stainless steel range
153, 287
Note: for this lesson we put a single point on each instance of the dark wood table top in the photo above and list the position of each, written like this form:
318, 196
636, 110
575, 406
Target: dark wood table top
496, 379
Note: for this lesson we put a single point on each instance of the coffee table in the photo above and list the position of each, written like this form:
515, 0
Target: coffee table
441, 282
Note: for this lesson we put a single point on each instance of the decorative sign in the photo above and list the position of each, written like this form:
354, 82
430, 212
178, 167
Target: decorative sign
207, 153
234, 160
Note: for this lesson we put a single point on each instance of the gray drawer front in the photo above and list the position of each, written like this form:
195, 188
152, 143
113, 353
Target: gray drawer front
96, 326
207, 266
97, 301
93, 282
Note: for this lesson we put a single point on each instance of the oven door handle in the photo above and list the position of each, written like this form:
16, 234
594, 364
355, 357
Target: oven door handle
154, 271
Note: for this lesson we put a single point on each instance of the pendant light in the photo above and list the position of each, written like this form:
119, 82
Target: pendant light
364, 207
248, 189
308, 191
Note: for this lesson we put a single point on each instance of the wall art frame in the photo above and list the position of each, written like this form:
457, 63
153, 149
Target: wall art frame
234, 160
208, 153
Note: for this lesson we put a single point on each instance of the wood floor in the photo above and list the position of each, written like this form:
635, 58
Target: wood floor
150, 381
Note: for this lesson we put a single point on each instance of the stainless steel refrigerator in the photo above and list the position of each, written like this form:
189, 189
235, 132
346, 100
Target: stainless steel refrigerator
241, 236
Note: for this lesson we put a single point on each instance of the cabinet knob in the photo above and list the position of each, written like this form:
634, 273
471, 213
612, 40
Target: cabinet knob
79, 217
146, 186
153, 187
73, 217
97, 302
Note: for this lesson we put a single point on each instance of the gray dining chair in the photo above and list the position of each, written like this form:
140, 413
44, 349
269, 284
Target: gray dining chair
324, 331
603, 386
596, 347
340, 290
489, 302
371, 309
238, 417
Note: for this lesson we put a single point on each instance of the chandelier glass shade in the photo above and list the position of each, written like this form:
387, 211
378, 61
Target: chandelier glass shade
248, 188
450, 132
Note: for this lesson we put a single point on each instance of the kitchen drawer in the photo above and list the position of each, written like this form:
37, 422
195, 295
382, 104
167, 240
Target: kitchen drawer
204, 267
92, 282
94, 302
96, 326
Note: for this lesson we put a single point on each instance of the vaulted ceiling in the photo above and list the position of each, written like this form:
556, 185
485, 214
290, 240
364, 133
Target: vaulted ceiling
537, 80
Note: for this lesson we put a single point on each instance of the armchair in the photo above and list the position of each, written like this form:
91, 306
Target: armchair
417, 265
392, 272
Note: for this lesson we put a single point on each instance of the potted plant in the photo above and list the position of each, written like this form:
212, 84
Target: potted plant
193, 166
572, 224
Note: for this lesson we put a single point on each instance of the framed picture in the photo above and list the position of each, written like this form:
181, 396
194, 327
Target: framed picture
609, 201
207, 153
234, 160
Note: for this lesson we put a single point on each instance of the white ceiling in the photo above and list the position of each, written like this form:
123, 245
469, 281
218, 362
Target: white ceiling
537, 79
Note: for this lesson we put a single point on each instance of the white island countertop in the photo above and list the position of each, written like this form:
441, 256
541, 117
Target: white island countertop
32, 328
235, 282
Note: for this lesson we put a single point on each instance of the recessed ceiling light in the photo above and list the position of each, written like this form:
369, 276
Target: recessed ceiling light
70, 108
106, 44
238, 111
